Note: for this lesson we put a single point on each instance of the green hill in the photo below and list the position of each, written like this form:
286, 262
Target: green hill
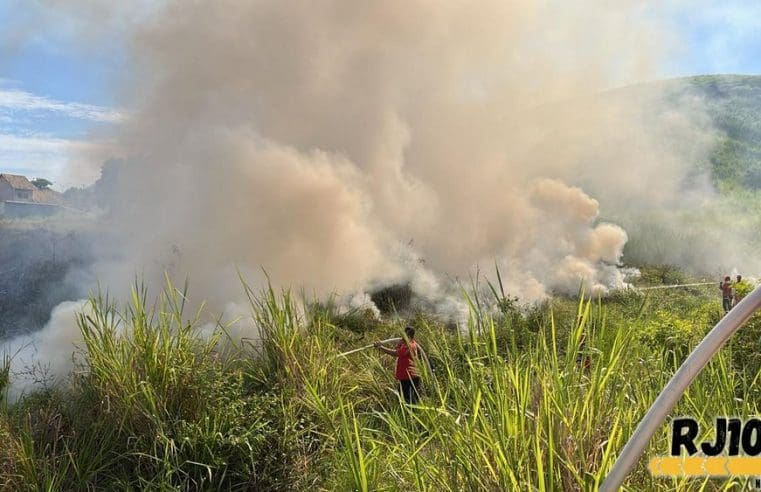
733, 104
712, 126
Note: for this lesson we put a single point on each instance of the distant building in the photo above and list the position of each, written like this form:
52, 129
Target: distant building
15, 188
19, 198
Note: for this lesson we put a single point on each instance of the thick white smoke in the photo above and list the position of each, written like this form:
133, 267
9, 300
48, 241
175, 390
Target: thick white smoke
314, 138
41, 359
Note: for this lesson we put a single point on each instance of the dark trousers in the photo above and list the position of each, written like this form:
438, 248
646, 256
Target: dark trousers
410, 390
727, 302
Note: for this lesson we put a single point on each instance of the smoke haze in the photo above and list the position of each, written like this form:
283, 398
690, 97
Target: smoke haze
346, 145
43, 358
313, 139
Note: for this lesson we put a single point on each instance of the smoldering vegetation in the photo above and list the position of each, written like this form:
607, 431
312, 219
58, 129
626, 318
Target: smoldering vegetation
337, 145
40, 266
712, 211
540, 399
378, 156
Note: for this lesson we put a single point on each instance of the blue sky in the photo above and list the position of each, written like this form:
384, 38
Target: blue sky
716, 37
55, 90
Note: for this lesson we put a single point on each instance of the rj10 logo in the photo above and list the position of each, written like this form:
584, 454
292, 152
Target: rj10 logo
734, 451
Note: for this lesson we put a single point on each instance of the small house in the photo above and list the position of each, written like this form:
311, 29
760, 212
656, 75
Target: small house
15, 188
19, 198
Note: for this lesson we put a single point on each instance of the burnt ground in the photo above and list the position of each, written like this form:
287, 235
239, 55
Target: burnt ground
38, 263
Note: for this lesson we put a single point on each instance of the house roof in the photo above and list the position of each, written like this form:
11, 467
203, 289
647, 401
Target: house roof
17, 182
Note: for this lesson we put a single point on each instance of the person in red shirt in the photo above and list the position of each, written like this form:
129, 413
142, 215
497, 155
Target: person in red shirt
406, 373
727, 293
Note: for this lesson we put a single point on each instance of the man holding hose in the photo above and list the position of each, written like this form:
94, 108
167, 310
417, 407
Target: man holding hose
406, 353
727, 294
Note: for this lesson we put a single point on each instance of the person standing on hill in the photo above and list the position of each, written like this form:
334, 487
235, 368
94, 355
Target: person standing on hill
741, 289
406, 373
727, 293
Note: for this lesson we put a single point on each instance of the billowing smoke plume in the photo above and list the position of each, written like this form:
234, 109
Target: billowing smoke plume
344, 145
43, 358
312, 139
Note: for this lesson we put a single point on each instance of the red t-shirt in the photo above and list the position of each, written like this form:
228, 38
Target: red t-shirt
726, 289
405, 365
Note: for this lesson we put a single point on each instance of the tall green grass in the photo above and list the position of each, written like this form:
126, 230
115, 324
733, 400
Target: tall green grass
506, 406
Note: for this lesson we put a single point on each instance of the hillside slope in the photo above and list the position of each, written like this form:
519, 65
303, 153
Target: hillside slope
733, 105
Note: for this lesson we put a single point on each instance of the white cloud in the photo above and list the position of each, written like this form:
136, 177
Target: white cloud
36, 137
15, 145
19, 100
65, 162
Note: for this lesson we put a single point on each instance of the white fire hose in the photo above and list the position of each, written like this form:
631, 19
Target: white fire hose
382, 342
675, 286
678, 384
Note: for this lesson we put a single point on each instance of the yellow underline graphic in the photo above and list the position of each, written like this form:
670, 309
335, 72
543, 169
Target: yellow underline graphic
704, 466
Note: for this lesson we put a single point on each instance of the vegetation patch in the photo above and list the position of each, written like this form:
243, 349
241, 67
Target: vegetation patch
539, 398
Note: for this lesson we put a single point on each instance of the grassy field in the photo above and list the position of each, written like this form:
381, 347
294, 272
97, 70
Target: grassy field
154, 405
